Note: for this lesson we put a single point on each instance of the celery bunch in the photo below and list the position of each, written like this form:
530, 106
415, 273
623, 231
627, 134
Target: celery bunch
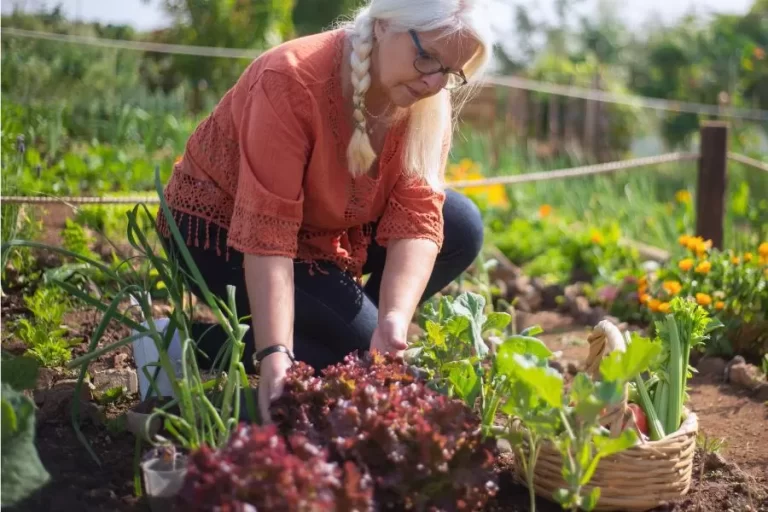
686, 326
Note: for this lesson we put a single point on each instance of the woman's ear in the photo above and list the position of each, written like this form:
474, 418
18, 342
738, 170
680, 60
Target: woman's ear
379, 28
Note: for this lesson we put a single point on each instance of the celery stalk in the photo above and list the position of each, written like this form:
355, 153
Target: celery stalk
676, 378
654, 423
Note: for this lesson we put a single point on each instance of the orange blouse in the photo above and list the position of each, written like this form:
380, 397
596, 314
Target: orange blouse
269, 166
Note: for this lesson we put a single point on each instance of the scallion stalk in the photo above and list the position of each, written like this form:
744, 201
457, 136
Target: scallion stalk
654, 423
677, 369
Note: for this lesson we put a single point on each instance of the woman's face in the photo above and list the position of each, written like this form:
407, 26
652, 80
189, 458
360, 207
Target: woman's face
395, 54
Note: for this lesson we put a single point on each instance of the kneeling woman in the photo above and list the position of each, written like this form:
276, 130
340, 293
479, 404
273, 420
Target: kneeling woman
324, 163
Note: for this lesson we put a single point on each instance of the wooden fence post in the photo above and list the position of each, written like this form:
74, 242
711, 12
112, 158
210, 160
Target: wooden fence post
712, 182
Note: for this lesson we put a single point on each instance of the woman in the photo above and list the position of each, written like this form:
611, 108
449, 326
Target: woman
323, 164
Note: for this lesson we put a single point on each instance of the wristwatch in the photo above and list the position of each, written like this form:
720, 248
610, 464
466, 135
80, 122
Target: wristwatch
259, 356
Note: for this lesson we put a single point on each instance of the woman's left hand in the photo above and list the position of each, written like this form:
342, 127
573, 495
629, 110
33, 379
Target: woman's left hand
391, 334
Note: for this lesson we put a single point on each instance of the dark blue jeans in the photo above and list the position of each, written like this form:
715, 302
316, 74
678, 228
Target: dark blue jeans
334, 315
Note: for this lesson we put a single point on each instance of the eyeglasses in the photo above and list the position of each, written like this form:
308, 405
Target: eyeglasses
429, 65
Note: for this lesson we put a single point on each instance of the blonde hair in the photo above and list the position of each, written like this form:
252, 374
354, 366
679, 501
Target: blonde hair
432, 116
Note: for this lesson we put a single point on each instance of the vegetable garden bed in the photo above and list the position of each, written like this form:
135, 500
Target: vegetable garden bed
724, 411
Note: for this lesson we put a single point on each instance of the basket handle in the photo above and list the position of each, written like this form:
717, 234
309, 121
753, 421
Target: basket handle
605, 338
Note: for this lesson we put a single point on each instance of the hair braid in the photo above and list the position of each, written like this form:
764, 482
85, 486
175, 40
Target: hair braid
360, 154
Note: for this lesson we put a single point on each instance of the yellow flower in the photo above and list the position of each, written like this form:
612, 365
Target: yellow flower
672, 287
748, 257
735, 260
719, 305
596, 237
684, 239
654, 305
764, 260
664, 307
704, 267
703, 299
693, 242
545, 210
643, 298
683, 196
686, 264
763, 250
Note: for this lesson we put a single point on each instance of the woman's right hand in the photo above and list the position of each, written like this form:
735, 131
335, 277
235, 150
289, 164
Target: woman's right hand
273, 369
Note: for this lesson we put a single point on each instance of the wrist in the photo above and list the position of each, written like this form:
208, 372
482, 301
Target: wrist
272, 354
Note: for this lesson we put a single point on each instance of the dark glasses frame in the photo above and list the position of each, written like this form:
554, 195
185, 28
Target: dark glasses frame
422, 54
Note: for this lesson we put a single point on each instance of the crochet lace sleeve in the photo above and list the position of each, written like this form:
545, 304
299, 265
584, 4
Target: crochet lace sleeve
414, 209
274, 136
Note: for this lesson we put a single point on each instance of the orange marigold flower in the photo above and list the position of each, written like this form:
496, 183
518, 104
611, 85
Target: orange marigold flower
684, 239
735, 260
596, 237
763, 250
703, 299
704, 267
664, 307
719, 305
672, 287
748, 257
643, 298
686, 264
545, 210
654, 305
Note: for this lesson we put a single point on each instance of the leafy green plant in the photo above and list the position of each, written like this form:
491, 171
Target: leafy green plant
47, 345
19, 372
23, 472
455, 330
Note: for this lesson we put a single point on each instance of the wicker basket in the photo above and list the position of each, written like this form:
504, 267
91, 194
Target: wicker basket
644, 477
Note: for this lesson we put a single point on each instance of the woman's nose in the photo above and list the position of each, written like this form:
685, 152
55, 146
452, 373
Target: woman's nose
435, 81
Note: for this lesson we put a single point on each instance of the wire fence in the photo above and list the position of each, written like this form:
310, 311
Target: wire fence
557, 174
502, 81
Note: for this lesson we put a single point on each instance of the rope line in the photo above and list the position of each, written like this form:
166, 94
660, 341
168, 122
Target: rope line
757, 164
146, 46
625, 99
575, 172
506, 180
502, 81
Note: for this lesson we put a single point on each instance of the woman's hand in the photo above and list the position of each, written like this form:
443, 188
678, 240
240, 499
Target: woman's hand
271, 381
391, 334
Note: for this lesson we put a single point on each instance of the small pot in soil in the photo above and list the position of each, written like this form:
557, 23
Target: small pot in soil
163, 477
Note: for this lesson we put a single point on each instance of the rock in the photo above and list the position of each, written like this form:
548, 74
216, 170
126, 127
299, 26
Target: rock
761, 393
520, 285
573, 367
549, 293
745, 375
60, 390
113, 378
54, 404
504, 446
714, 461
557, 365
45, 378
120, 361
581, 309
712, 366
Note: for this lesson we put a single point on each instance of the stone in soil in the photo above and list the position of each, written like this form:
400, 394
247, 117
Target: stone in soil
711, 366
116, 378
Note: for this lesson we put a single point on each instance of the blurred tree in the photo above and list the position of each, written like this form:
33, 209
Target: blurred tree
257, 24
312, 16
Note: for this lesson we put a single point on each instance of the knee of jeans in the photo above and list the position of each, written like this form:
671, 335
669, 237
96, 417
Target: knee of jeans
471, 231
